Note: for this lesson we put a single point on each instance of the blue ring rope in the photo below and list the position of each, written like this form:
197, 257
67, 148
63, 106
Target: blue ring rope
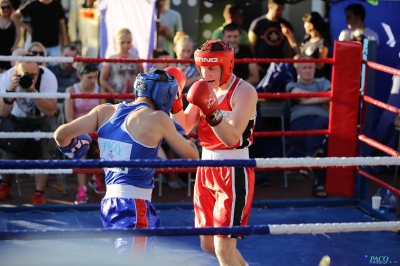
110, 233
61, 164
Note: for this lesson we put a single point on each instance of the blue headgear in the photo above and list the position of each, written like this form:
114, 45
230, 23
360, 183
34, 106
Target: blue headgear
157, 85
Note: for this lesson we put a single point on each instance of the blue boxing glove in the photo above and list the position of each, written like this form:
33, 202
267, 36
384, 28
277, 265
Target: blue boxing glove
78, 147
180, 129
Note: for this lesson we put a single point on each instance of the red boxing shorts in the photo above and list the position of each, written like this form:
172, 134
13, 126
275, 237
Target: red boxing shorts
223, 195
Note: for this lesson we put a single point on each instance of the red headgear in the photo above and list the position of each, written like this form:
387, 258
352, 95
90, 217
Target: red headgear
206, 56
179, 76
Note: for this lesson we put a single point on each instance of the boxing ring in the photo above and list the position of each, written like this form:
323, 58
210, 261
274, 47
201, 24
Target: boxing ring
280, 232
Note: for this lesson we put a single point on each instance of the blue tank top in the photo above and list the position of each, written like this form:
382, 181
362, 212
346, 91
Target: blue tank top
115, 143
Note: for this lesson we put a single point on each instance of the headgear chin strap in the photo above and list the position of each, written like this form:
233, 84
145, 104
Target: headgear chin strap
214, 53
157, 85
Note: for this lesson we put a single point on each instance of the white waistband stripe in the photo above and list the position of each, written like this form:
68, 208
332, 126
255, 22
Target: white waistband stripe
128, 191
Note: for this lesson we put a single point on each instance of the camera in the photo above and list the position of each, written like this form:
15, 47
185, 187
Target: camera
25, 80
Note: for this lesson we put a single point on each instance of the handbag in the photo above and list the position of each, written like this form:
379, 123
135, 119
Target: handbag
12, 124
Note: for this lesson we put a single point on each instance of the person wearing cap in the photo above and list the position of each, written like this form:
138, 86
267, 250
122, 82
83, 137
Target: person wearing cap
130, 131
223, 107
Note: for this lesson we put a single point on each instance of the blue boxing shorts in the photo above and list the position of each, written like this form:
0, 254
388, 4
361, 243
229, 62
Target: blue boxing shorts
130, 212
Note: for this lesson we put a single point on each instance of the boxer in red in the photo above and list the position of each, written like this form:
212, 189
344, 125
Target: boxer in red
224, 107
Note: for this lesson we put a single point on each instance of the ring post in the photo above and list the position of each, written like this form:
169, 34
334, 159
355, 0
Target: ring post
367, 111
344, 112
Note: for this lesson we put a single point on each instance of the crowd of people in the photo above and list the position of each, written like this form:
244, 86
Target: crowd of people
221, 106
269, 36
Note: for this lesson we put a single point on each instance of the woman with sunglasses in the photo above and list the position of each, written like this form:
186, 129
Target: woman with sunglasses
37, 49
75, 108
9, 33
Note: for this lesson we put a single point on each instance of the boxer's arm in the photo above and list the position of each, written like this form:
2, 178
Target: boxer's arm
244, 109
188, 118
184, 147
82, 125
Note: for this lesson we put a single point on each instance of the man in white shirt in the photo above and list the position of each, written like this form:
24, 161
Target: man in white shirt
34, 114
357, 31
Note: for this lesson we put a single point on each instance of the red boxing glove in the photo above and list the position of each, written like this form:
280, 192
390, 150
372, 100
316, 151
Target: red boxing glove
202, 95
181, 78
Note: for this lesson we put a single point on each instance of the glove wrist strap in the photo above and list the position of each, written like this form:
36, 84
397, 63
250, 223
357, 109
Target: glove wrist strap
215, 118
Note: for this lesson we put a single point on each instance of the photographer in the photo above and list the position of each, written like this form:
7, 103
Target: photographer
29, 115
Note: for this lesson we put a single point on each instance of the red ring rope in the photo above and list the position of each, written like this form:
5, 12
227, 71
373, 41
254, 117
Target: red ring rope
379, 182
237, 61
382, 68
383, 105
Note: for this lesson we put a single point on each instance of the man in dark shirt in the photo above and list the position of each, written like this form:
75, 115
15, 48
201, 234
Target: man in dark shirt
65, 72
266, 36
46, 24
248, 72
66, 76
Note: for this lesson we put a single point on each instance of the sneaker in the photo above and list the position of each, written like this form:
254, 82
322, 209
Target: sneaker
81, 196
97, 185
38, 199
174, 184
181, 183
4, 190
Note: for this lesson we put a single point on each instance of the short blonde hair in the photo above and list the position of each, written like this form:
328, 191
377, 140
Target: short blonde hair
9, 3
122, 32
182, 38
39, 44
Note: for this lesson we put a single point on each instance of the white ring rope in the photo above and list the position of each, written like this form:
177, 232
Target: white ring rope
26, 135
36, 95
278, 229
37, 171
292, 162
57, 59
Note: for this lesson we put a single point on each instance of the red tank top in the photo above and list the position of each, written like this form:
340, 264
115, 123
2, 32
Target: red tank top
207, 137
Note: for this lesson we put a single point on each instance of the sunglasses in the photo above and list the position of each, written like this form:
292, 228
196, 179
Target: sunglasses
5, 7
35, 53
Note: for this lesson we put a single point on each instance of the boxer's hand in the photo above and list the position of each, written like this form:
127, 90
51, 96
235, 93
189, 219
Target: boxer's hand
202, 95
181, 79
180, 130
78, 147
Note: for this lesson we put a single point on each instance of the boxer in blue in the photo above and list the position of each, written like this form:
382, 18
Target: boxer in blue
129, 131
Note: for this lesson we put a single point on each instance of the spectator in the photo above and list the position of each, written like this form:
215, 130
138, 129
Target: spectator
37, 49
233, 14
119, 77
316, 41
184, 49
75, 108
170, 24
9, 34
65, 73
160, 54
248, 72
265, 35
357, 31
29, 77
310, 114
47, 24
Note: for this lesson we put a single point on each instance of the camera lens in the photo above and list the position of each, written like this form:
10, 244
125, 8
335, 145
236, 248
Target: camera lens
25, 81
